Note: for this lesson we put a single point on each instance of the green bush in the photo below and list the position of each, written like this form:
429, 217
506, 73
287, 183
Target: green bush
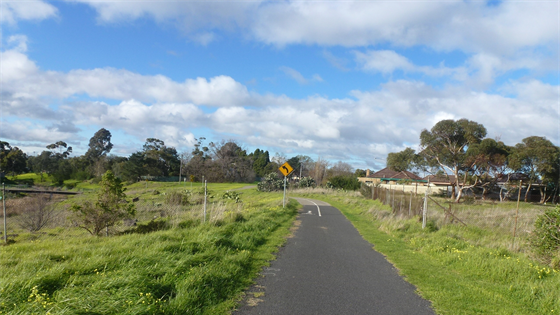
271, 182
347, 182
545, 239
306, 182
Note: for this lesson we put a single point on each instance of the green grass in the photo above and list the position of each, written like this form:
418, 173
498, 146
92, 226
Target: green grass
188, 268
458, 268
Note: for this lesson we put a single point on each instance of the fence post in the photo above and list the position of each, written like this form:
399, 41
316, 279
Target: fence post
205, 200
425, 207
516, 214
410, 204
4, 209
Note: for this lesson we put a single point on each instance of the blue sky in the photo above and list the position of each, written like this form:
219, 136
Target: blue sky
349, 81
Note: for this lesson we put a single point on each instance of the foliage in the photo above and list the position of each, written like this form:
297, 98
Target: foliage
99, 145
347, 182
536, 157
12, 159
445, 146
306, 182
38, 212
232, 195
271, 182
178, 198
405, 160
111, 206
155, 269
546, 235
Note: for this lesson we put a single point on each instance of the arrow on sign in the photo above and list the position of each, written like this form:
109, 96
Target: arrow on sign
286, 169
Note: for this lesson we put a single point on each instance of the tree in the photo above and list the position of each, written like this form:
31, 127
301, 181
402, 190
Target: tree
160, 159
261, 161
406, 160
12, 160
231, 163
487, 161
360, 172
39, 211
535, 157
99, 145
446, 144
347, 182
339, 169
111, 206
53, 162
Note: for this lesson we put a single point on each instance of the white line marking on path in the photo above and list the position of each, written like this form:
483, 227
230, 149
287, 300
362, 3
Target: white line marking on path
318, 209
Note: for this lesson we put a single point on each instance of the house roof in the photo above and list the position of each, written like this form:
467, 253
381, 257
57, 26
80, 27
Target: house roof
388, 173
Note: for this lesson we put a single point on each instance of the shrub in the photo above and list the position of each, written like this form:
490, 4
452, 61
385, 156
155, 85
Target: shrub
306, 182
347, 182
38, 212
176, 198
271, 182
111, 206
545, 239
232, 195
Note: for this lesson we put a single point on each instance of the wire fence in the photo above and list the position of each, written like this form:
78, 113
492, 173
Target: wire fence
38, 212
502, 217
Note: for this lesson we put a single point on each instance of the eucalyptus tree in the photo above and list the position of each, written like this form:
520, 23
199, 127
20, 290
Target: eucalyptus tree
535, 157
487, 162
99, 146
12, 159
446, 144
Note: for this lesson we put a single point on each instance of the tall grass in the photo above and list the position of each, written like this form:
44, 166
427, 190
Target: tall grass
462, 270
188, 267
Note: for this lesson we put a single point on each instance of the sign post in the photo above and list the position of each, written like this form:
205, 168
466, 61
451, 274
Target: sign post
285, 169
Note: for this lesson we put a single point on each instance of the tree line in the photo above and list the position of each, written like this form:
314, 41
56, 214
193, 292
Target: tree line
223, 161
460, 151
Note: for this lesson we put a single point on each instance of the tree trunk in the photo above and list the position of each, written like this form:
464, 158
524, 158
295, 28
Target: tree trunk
543, 194
527, 192
459, 193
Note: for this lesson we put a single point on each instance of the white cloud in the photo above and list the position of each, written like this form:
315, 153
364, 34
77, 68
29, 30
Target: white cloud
13, 11
23, 79
298, 77
50, 105
384, 61
442, 25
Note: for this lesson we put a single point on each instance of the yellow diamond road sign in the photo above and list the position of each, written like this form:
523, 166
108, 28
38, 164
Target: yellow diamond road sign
286, 169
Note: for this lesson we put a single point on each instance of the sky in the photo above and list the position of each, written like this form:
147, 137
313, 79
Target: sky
343, 81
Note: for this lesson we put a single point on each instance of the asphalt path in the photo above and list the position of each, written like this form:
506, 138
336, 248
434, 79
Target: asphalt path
326, 267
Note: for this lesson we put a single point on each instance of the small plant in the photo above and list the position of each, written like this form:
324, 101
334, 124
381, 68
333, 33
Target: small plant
306, 182
545, 239
232, 195
38, 212
176, 198
111, 206
271, 182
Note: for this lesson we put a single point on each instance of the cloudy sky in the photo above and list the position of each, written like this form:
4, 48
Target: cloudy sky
341, 80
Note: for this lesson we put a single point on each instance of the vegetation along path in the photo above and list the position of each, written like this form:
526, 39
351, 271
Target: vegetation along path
328, 268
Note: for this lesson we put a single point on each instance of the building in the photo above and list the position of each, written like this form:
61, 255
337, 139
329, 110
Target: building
390, 177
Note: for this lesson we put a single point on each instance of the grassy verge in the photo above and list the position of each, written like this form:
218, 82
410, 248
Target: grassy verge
187, 268
458, 268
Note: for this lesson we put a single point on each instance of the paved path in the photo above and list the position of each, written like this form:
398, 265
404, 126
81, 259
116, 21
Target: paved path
328, 268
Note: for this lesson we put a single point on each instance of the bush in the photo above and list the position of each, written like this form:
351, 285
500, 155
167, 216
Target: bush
271, 182
306, 182
545, 239
176, 198
347, 182
38, 212
111, 206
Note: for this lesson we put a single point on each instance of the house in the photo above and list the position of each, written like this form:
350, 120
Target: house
388, 176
